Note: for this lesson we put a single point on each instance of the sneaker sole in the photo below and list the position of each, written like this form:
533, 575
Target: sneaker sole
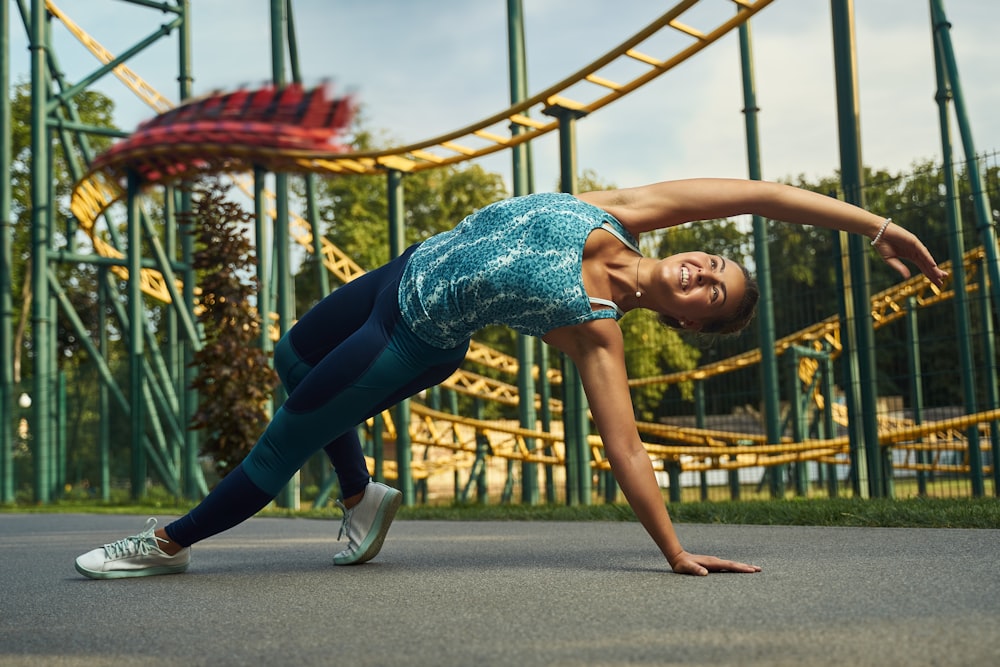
124, 574
373, 542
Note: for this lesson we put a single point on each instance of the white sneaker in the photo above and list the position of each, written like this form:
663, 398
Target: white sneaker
366, 523
136, 556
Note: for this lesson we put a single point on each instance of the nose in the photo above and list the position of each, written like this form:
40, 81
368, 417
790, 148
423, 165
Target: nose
704, 277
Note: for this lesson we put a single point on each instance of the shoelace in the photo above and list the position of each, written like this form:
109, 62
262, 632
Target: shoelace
346, 520
141, 544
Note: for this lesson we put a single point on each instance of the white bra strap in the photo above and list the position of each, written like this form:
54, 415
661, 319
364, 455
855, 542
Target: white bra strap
605, 302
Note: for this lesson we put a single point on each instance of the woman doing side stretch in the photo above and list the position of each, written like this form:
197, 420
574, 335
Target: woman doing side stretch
561, 267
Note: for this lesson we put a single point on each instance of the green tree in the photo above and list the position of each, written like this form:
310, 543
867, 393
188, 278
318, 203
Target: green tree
79, 281
235, 382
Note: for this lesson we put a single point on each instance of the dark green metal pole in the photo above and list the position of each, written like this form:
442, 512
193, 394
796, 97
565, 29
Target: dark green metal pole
522, 186
41, 220
104, 427
6, 286
264, 304
397, 244
985, 224
770, 382
832, 483
312, 214
852, 177
575, 410
990, 370
194, 481
916, 386
284, 299
956, 247
136, 346
699, 422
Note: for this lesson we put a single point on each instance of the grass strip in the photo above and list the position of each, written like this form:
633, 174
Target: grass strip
907, 513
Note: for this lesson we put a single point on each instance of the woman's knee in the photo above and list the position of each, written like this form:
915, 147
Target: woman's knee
289, 366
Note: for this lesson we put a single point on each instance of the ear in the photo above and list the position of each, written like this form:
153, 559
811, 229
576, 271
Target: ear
690, 325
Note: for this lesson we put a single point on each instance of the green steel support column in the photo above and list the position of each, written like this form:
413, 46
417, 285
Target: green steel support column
135, 344
312, 215
522, 186
956, 247
59, 474
984, 218
571, 438
284, 300
53, 352
699, 422
829, 426
770, 389
795, 410
852, 176
477, 473
103, 399
404, 452
858, 469
990, 352
674, 477
545, 417
175, 344
264, 304
194, 481
7, 420
397, 244
983, 211
575, 414
174, 356
916, 386
456, 480
41, 215
378, 448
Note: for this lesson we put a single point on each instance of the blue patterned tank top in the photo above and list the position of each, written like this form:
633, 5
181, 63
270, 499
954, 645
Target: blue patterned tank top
518, 262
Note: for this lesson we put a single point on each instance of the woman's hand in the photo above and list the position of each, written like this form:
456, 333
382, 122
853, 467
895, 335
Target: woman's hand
896, 243
685, 563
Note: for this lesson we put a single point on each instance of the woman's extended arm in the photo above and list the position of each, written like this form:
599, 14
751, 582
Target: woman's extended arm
597, 349
671, 203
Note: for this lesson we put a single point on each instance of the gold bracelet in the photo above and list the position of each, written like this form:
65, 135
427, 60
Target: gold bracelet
881, 231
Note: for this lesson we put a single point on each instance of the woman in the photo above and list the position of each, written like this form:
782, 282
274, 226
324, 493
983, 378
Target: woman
552, 265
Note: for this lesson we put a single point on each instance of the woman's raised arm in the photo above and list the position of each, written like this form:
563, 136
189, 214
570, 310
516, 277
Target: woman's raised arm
670, 203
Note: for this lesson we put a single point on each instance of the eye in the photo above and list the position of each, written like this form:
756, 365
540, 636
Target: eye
715, 294
714, 264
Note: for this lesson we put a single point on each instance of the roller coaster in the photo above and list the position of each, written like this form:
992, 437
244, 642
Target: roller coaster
291, 129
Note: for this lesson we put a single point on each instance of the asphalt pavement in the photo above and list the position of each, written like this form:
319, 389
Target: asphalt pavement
476, 594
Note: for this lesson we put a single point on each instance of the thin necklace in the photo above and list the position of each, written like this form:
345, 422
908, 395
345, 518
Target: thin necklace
638, 292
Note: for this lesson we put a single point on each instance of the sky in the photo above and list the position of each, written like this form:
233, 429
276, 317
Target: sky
421, 68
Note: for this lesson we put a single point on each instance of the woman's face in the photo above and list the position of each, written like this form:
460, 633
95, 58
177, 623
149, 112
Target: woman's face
699, 288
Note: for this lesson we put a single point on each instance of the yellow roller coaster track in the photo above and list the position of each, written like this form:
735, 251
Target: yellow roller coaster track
98, 191
592, 89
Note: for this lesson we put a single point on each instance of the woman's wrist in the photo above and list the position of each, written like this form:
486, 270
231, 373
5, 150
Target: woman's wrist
881, 232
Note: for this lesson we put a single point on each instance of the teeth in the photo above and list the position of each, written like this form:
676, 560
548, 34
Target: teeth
685, 276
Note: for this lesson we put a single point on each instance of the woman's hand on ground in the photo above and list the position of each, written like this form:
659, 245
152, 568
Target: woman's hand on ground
685, 563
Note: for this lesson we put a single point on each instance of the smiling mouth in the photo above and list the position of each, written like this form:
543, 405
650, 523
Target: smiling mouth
685, 277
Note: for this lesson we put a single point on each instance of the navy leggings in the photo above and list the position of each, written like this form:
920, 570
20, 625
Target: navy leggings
349, 358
